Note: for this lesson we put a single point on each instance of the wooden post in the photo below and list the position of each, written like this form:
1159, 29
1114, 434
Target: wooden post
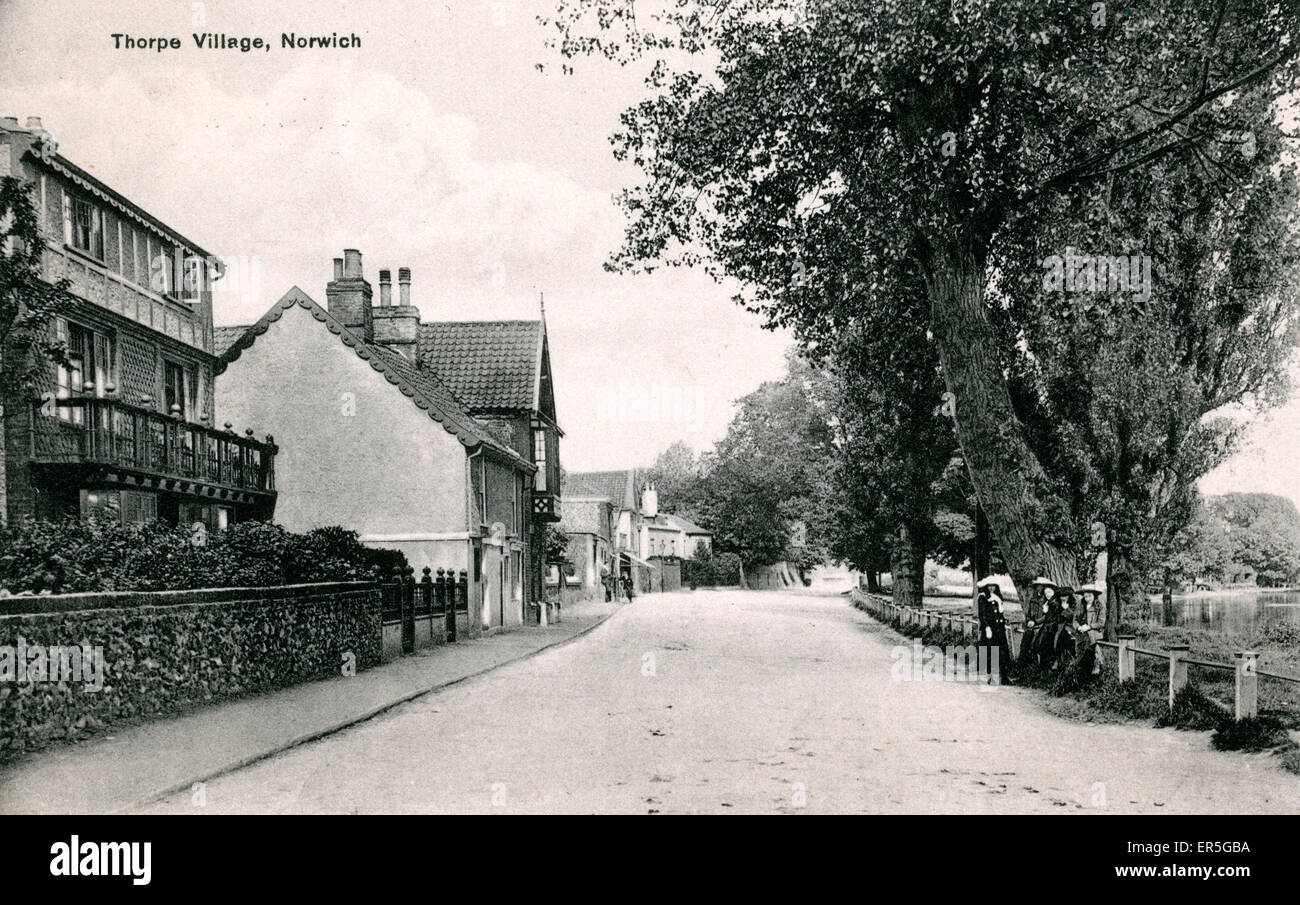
1247, 684
1177, 669
1127, 658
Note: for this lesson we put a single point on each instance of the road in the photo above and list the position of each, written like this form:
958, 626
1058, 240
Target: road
729, 702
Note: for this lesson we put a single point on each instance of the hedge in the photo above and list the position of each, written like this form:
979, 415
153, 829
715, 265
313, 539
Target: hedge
91, 556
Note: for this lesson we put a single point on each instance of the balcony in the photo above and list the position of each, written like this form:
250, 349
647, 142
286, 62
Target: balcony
145, 447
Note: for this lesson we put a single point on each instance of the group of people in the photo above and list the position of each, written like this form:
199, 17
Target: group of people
1061, 627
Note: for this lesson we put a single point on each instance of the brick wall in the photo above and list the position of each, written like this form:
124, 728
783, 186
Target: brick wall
168, 651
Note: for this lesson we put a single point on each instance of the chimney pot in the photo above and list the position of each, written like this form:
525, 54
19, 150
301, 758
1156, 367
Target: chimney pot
9, 122
34, 124
404, 282
385, 288
348, 295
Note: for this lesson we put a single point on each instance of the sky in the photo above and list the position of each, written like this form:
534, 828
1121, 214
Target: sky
436, 145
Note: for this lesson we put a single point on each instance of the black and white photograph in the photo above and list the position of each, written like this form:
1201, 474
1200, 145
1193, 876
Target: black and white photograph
651, 407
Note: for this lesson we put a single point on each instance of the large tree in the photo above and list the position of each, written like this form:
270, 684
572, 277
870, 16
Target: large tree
893, 446
924, 129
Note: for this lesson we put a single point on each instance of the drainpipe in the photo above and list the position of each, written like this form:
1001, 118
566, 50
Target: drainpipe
472, 530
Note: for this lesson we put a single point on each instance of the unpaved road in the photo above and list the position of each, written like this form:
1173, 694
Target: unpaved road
728, 702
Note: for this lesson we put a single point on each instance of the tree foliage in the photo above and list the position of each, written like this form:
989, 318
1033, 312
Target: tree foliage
827, 153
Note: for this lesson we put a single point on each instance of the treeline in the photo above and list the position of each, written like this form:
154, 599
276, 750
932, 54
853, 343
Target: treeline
1239, 538
1056, 243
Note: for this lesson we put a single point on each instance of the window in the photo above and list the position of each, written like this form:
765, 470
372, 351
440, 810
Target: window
179, 390
539, 457
91, 358
83, 226
189, 278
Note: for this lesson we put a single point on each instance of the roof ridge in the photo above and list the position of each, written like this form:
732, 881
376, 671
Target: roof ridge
455, 420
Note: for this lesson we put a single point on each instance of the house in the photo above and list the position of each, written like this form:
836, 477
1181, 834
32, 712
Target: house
674, 535
500, 371
375, 443
589, 523
127, 429
631, 502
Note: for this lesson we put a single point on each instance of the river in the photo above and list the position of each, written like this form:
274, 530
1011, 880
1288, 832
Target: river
1237, 613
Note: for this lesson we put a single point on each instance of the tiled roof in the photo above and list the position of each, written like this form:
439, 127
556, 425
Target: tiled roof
487, 364
584, 517
225, 337
619, 487
687, 525
422, 388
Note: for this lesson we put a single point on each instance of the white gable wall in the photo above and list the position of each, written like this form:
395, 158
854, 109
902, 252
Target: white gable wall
354, 451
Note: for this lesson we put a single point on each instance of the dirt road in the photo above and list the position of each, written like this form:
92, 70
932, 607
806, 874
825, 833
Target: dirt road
741, 702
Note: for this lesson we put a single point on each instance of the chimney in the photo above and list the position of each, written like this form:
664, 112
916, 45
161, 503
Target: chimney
34, 124
385, 288
398, 326
348, 295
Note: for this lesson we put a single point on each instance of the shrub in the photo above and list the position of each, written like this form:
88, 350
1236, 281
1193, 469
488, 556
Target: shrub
1255, 733
1193, 710
711, 569
73, 556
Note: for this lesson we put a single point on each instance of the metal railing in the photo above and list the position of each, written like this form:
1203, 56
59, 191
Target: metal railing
441, 597
111, 432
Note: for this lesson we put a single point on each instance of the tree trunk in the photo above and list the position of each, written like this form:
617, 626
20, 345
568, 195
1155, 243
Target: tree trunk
4, 474
873, 581
979, 557
907, 566
1024, 514
1123, 591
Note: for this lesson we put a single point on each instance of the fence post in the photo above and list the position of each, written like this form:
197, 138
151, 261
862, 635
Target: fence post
1127, 658
1247, 684
1177, 669
426, 595
462, 595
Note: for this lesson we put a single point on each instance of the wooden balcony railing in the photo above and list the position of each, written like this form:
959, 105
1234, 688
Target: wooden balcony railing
108, 432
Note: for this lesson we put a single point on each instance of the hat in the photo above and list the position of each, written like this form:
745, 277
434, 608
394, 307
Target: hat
1044, 581
1092, 586
989, 580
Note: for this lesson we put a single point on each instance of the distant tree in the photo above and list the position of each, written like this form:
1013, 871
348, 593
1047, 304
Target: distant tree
676, 476
1238, 531
762, 477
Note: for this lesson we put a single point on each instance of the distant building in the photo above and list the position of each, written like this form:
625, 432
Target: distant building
674, 535
625, 491
589, 523
128, 429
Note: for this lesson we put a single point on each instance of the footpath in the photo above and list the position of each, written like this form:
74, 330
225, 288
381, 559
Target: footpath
139, 764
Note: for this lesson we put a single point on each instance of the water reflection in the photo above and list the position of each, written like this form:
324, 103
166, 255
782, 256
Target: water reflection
1243, 613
